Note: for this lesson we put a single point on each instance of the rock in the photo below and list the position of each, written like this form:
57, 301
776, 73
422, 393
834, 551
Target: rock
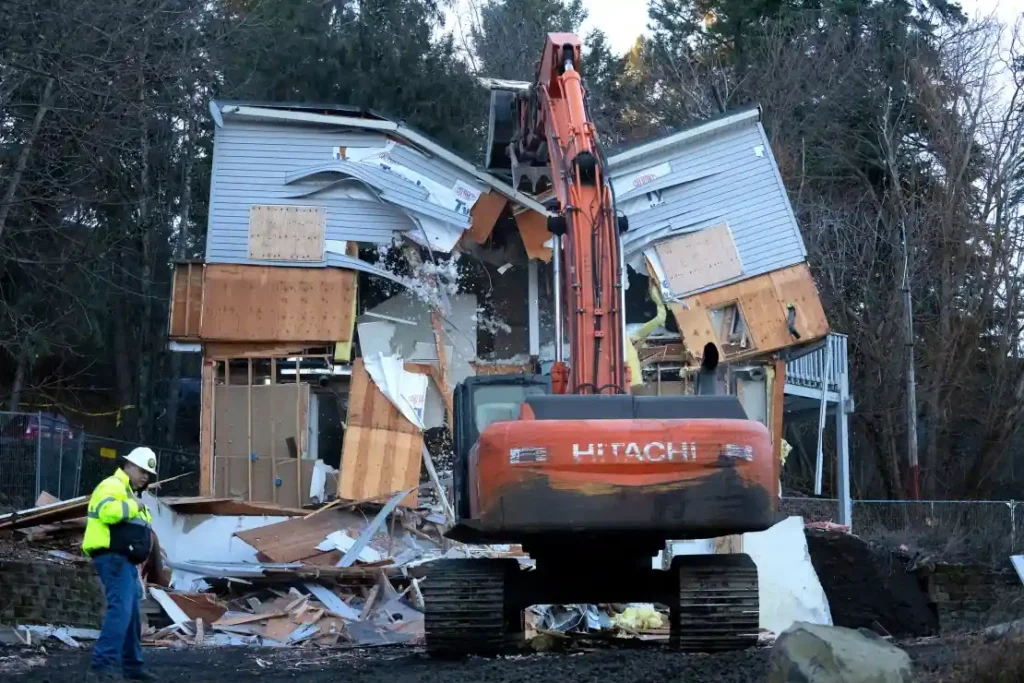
807, 653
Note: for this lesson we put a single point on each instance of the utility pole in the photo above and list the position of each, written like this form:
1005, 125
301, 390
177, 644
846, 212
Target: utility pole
908, 342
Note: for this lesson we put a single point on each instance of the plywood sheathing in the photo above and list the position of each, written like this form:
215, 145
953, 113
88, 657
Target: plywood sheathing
484, 215
277, 304
533, 229
762, 301
295, 539
186, 301
382, 449
700, 259
286, 233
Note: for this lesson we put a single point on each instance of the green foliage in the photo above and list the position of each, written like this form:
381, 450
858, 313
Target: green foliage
510, 36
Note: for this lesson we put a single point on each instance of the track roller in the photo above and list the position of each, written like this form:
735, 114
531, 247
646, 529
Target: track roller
717, 605
468, 607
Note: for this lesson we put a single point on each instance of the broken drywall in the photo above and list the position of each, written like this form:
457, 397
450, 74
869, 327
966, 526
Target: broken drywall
401, 326
204, 538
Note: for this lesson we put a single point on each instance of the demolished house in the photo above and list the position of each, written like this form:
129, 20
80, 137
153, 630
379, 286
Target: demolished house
355, 273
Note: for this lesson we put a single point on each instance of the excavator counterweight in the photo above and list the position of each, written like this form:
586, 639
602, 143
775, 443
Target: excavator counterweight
571, 465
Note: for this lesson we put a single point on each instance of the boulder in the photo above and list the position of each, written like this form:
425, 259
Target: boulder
808, 653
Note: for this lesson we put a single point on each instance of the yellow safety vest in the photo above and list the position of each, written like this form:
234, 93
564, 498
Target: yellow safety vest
112, 502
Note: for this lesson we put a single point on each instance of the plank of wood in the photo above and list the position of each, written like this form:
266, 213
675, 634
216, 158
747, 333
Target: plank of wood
248, 619
176, 614
700, 259
206, 417
286, 233
332, 602
198, 606
294, 539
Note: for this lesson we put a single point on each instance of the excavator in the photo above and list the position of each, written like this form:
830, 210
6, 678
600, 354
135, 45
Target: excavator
589, 479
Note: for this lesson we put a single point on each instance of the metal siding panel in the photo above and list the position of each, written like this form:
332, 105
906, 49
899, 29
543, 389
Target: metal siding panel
738, 187
251, 161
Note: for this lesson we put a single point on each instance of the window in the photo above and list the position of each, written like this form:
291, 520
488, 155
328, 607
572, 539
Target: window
731, 329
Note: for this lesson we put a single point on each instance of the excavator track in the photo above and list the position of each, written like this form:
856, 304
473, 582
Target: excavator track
717, 605
467, 607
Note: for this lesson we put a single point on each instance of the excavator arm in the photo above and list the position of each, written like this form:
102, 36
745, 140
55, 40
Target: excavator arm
555, 130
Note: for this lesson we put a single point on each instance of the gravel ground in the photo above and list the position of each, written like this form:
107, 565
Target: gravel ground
398, 665
933, 658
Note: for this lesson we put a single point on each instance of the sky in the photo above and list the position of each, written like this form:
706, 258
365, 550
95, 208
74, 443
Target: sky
624, 20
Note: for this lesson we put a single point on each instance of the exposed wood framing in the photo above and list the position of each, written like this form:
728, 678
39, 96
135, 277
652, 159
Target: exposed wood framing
206, 413
777, 407
248, 426
185, 319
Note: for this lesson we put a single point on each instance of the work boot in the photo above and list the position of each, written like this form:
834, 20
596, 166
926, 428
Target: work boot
103, 676
140, 675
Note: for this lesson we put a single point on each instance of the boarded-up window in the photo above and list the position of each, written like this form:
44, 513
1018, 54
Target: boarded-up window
286, 233
700, 260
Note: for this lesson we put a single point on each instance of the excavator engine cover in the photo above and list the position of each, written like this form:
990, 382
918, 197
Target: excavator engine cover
646, 466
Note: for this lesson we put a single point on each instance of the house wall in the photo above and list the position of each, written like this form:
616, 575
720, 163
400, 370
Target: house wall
261, 163
729, 176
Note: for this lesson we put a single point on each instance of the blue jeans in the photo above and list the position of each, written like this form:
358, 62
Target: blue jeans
119, 645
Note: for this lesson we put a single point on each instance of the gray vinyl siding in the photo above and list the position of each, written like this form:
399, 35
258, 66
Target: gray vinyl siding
716, 178
277, 163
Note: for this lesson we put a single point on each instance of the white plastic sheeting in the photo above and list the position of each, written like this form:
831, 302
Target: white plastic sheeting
789, 589
406, 390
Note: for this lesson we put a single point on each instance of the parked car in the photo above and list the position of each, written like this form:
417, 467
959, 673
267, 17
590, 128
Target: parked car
29, 427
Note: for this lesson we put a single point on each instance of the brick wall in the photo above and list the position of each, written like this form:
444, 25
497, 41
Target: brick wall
50, 593
970, 598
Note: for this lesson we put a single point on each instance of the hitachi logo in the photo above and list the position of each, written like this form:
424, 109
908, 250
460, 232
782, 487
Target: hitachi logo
654, 451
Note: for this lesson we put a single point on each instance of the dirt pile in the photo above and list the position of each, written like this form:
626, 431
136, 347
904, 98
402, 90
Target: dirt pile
868, 586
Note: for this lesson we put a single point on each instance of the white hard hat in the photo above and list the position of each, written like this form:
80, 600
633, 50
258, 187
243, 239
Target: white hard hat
143, 458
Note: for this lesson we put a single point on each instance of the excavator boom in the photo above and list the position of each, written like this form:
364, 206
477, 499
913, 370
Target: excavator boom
557, 130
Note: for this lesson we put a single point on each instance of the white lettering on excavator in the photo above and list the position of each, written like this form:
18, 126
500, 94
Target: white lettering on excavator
654, 451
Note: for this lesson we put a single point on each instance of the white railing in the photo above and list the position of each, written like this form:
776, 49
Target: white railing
809, 370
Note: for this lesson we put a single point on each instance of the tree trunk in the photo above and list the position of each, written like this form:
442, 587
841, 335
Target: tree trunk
174, 390
26, 151
19, 379
145, 348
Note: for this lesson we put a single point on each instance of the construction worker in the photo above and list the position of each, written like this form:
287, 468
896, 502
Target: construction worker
118, 538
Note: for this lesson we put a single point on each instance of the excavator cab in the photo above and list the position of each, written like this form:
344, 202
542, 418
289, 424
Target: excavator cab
480, 402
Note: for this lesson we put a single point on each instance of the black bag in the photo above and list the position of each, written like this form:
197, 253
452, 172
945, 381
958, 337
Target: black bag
133, 539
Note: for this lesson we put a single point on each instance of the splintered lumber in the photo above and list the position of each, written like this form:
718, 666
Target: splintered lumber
247, 619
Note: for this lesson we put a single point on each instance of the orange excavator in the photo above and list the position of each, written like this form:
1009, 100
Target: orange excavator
589, 479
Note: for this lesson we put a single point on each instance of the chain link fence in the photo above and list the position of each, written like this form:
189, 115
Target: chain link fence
101, 457
955, 530
38, 452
